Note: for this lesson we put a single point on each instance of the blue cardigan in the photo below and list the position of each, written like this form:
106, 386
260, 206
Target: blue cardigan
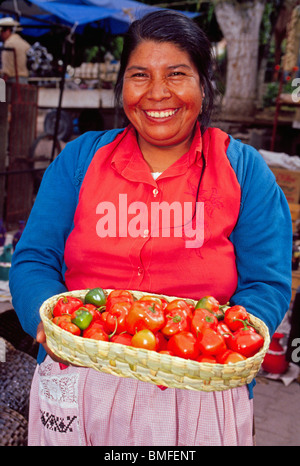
262, 237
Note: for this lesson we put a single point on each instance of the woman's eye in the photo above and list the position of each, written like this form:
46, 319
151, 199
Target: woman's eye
139, 75
176, 74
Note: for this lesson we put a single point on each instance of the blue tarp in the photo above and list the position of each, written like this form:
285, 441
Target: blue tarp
115, 16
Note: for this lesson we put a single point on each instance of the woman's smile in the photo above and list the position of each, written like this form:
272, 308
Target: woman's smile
161, 114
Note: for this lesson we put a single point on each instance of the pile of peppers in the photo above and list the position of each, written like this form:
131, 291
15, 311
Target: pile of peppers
205, 332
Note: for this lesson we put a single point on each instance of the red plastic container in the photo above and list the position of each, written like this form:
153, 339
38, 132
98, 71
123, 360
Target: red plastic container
274, 361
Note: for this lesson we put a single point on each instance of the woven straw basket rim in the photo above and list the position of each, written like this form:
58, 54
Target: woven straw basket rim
149, 366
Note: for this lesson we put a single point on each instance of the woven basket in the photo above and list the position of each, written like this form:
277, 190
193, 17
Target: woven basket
145, 365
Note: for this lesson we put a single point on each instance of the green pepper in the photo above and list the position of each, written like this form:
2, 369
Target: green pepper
95, 296
82, 318
212, 305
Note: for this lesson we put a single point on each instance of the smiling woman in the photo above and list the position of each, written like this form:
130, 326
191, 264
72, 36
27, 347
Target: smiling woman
211, 221
170, 28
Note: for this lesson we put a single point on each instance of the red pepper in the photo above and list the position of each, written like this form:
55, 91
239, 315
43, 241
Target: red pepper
70, 327
162, 342
93, 310
170, 353
116, 317
59, 319
203, 318
118, 296
230, 357
123, 338
96, 330
184, 345
176, 321
207, 358
246, 341
66, 305
155, 299
145, 315
211, 342
224, 330
182, 305
234, 315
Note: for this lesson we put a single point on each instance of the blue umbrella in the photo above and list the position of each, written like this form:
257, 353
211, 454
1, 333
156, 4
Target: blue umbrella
115, 15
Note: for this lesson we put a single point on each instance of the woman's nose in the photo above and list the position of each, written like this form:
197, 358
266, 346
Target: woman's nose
158, 90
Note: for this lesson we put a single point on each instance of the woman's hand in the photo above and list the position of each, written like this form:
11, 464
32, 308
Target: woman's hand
41, 338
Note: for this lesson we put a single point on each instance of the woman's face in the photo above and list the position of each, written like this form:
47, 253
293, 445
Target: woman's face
162, 93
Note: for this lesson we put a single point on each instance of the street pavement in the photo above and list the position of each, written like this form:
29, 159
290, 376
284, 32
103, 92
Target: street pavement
277, 412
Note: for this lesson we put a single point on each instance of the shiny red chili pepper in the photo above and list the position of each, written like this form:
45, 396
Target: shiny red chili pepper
224, 330
59, 319
170, 353
162, 342
71, 328
230, 357
203, 318
207, 358
66, 305
234, 315
116, 317
145, 315
211, 342
182, 305
155, 299
123, 338
96, 330
118, 296
176, 321
184, 345
246, 341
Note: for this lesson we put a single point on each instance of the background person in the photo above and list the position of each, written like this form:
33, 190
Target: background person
167, 153
10, 38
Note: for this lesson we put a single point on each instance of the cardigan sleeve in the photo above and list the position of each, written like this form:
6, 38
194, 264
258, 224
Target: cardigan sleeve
37, 263
262, 238
37, 270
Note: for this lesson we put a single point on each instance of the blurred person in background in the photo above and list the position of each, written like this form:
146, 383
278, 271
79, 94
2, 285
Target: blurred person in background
13, 64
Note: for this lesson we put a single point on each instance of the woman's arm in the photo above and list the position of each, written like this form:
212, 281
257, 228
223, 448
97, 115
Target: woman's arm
37, 263
262, 239
37, 271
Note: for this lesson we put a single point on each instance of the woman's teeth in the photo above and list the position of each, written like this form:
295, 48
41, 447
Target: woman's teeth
163, 114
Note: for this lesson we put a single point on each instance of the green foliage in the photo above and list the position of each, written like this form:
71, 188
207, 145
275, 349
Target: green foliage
272, 90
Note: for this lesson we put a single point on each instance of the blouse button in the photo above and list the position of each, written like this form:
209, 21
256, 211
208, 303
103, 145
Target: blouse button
140, 271
155, 192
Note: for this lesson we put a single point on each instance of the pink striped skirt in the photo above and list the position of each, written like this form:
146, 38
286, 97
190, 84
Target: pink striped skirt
81, 407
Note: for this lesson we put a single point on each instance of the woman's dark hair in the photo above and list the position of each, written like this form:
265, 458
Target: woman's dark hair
172, 26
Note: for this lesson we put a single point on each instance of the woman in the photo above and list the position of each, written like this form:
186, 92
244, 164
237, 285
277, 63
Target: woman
94, 224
